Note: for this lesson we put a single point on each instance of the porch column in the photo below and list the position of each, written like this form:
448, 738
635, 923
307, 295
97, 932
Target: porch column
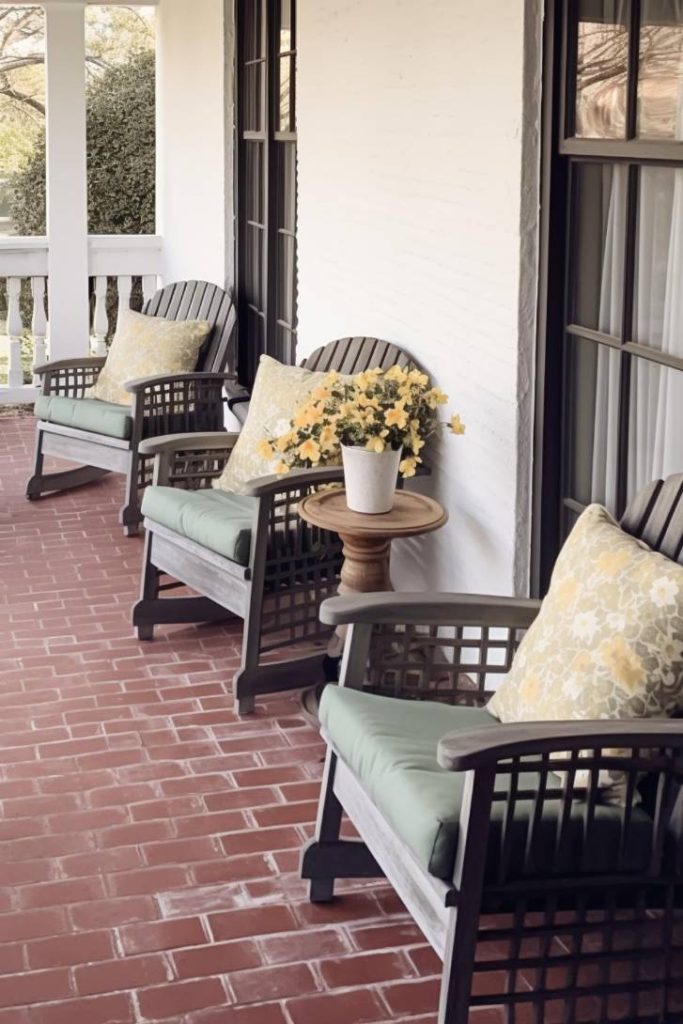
67, 185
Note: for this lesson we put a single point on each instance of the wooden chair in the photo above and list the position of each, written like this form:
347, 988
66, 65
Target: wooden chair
575, 905
279, 569
106, 438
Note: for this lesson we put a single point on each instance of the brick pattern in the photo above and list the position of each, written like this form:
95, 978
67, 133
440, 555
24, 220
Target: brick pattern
150, 839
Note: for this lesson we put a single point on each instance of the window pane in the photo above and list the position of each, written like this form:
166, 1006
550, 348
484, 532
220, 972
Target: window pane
598, 245
286, 263
120, 63
253, 93
286, 218
655, 424
591, 418
660, 83
254, 267
253, 30
22, 122
285, 112
253, 184
286, 30
602, 63
658, 298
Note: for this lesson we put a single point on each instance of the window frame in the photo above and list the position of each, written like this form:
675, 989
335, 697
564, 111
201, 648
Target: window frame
561, 153
272, 143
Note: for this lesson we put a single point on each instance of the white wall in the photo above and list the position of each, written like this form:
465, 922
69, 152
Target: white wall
412, 227
194, 170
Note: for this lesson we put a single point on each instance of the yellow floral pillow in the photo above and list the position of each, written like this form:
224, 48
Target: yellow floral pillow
608, 640
278, 392
145, 346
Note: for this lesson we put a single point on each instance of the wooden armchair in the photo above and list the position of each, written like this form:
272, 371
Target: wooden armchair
106, 438
537, 896
249, 554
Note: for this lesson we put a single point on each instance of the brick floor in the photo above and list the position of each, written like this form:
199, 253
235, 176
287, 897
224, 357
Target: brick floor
149, 838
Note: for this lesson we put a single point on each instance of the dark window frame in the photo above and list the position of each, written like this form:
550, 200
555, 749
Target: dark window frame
561, 153
266, 283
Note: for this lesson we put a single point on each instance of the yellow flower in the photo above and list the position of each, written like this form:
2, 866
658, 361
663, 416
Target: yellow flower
416, 377
396, 417
435, 397
284, 442
328, 438
309, 450
375, 444
320, 394
368, 402
396, 373
307, 416
330, 378
281, 467
456, 424
265, 450
408, 467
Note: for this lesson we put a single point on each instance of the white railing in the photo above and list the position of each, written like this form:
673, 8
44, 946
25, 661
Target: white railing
120, 259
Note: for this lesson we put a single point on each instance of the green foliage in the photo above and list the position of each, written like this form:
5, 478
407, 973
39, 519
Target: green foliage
121, 157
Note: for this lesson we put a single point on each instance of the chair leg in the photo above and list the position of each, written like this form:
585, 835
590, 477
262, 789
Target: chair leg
317, 860
130, 515
149, 593
42, 483
458, 968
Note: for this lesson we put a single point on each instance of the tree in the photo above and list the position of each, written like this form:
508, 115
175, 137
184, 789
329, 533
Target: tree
121, 156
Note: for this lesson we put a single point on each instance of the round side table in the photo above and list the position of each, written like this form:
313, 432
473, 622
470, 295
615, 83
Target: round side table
367, 538
367, 552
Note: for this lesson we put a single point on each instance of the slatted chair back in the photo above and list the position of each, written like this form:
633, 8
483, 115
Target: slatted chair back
199, 300
353, 355
656, 516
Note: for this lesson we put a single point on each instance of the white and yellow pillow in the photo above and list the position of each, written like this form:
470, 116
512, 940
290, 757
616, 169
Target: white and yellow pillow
608, 640
145, 346
278, 392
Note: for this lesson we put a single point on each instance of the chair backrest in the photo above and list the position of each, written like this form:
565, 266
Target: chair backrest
353, 355
656, 516
199, 300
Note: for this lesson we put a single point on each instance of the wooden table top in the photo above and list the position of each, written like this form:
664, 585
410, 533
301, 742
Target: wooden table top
412, 514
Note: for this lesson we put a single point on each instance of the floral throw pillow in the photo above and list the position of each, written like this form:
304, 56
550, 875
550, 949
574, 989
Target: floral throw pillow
608, 640
146, 346
278, 392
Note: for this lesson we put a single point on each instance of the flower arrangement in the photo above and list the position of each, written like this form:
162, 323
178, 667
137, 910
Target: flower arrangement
376, 410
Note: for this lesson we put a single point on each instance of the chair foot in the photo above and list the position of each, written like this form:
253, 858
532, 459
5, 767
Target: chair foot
145, 632
130, 518
277, 677
321, 890
43, 483
245, 705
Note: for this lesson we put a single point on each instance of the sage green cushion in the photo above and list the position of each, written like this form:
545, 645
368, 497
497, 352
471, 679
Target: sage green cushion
217, 520
391, 745
85, 414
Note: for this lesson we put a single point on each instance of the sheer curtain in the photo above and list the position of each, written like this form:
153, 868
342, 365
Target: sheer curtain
656, 400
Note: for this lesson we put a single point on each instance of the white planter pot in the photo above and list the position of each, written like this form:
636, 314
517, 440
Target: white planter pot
370, 479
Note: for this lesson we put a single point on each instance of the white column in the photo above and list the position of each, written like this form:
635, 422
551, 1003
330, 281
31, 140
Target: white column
67, 198
125, 287
15, 377
38, 322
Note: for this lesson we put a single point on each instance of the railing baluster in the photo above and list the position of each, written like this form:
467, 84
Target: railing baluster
38, 323
100, 319
15, 327
149, 286
125, 283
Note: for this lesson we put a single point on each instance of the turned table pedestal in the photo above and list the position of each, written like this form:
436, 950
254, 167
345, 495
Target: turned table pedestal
367, 538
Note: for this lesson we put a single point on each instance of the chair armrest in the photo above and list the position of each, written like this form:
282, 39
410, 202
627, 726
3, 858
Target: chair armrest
430, 608
237, 394
143, 383
188, 443
94, 362
484, 746
298, 478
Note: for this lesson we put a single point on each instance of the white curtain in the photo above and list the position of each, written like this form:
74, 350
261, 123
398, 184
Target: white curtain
656, 401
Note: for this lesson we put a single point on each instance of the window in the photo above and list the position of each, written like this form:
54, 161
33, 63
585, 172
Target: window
611, 353
266, 182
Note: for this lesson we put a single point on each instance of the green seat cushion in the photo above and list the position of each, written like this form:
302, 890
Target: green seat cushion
391, 745
217, 520
86, 414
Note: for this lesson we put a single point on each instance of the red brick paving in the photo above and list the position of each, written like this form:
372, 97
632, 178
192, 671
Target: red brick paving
150, 839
